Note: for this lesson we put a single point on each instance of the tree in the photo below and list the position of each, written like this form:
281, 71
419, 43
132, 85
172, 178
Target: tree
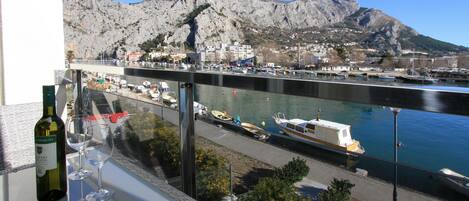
145, 57
293, 171
343, 53
387, 61
228, 57
272, 189
154, 43
70, 56
334, 58
358, 56
463, 61
339, 190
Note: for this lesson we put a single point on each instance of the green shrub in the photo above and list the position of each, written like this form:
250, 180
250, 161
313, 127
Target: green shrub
293, 171
272, 189
153, 43
339, 190
212, 177
212, 183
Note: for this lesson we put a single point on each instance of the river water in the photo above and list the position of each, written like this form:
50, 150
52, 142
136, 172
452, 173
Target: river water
431, 141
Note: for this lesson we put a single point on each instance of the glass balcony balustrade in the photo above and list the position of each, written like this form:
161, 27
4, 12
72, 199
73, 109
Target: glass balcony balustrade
217, 136
236, 141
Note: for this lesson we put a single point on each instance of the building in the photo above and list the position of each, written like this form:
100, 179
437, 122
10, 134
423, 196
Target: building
134, 56
224, 53
336, 68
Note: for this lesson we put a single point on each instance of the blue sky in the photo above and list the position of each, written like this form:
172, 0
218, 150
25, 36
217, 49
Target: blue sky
129, 1
446, 20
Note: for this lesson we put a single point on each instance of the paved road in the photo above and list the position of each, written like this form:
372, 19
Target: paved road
321, 173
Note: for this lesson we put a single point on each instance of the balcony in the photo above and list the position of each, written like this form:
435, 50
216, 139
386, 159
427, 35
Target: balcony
171, 140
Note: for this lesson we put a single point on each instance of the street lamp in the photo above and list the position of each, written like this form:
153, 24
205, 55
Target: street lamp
396, 145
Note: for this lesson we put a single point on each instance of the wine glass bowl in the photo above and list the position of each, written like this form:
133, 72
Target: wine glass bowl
78, 136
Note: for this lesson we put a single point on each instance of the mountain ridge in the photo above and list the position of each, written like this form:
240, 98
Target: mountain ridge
95, 27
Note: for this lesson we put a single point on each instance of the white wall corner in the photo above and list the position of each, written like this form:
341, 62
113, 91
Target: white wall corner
33, 47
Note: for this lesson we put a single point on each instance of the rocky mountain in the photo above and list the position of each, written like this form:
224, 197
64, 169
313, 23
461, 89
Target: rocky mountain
94, 27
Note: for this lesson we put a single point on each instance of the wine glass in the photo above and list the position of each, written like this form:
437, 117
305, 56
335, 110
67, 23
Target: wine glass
103, 144
78, 135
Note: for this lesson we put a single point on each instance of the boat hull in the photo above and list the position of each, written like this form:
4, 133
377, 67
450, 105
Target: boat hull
254, 130
319, 144
221, 116
456, 182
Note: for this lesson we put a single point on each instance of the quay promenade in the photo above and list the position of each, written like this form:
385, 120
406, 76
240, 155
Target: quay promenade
366, 188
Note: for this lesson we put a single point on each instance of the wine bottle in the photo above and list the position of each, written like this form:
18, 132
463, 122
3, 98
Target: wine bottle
49, 138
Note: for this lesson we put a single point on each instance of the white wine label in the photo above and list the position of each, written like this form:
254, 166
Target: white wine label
46, 154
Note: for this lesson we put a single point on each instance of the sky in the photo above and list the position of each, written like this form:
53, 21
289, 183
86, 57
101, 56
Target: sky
446, 20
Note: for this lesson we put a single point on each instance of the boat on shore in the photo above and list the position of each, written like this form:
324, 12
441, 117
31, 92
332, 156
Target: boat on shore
169, 98
221, 115
416, 79
200, 109
154, 94
455, 181
324, 134
386, 77
256, 131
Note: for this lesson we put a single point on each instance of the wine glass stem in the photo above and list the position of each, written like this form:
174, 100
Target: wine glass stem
100, 178
80, 155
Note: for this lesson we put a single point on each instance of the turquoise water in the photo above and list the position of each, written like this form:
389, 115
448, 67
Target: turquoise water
431, 141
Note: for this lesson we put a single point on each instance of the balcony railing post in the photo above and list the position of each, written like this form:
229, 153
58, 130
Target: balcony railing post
186, 126
79, 98
395, 112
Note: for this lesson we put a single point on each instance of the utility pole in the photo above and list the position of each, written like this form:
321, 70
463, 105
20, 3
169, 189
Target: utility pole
298, 55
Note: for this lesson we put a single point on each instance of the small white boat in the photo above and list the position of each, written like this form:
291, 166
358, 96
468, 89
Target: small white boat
240, 70
116, 79
146, 84
222, 115
123, 83
169, 98
386, 77
200, 109
341, 76
163, 87
416, 79
454, 180
258, 132
154, 94
131, 86
324, 134
139, 89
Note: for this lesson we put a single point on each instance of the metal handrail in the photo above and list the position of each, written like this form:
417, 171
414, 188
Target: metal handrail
430, 100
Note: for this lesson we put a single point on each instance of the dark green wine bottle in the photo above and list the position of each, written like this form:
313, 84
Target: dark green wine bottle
49, 138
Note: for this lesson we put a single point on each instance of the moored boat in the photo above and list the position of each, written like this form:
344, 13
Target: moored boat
324, 134
415, 79
455, 181
154, 94
169, 98
221, 115
200, 109
258, 132
386, 77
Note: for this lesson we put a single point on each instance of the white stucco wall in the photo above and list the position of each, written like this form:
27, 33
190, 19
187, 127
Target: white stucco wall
33, 47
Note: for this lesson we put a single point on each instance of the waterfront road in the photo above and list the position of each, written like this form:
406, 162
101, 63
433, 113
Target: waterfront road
366, 188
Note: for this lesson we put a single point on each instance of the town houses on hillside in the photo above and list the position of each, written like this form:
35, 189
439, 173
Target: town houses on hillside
222, 53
